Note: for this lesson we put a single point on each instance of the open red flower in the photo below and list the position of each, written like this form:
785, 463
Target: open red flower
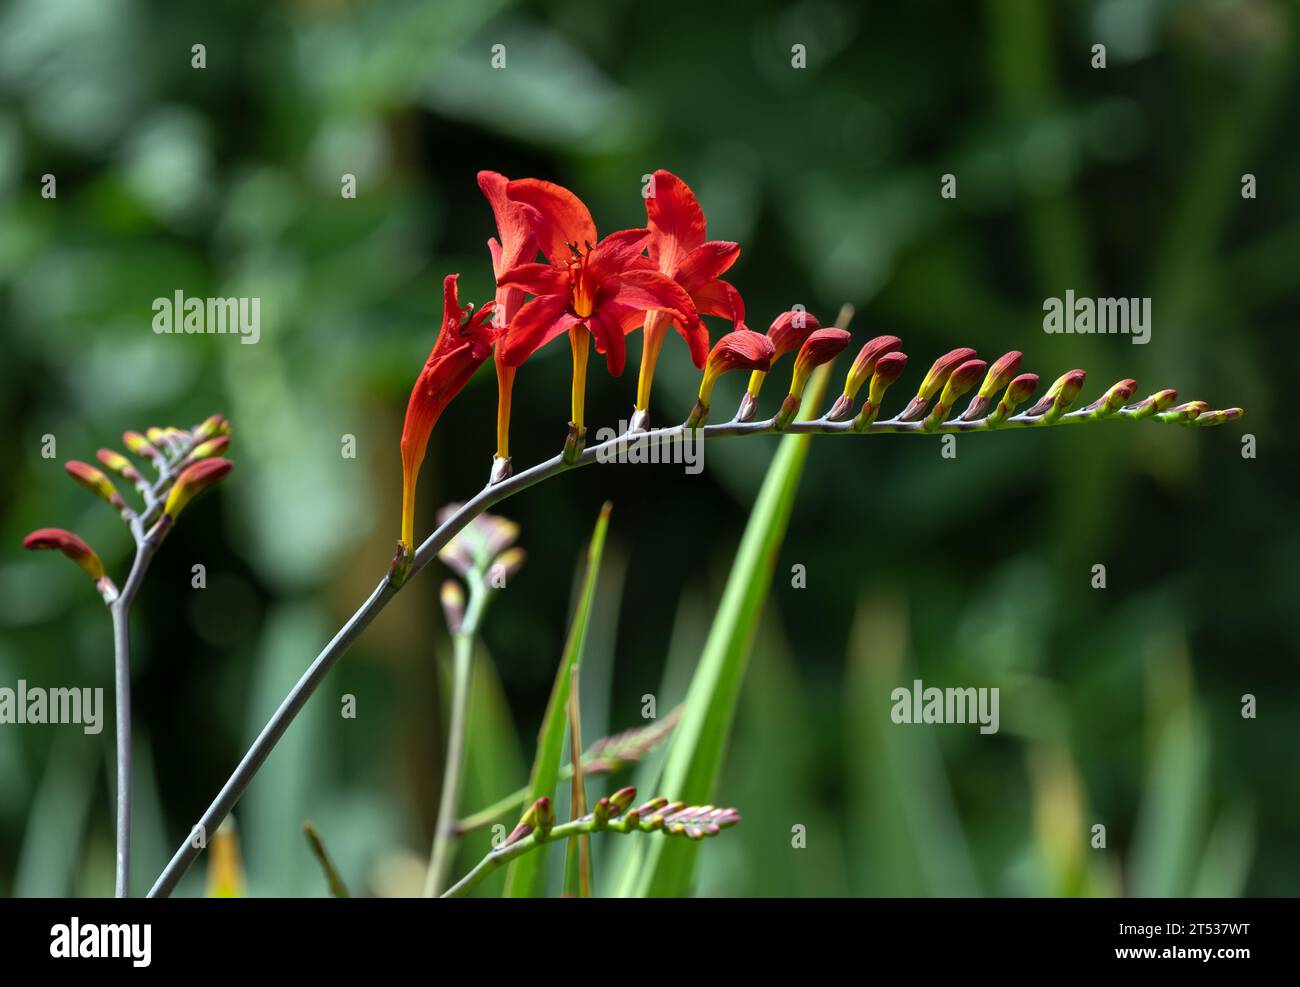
601, 287
464, 342
678, 249
517, 245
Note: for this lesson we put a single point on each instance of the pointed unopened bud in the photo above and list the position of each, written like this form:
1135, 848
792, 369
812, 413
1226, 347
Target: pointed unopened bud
1153, 404
1184, 414
888, 369
533, 820
212, 447
934, 379
621, 799
864, 364
58, 540
97, 483
117, 463
1002, 372
452, 597
1058, 398
959, 382
1017, 393
211, 427
1219, 417
192, 481
1112, 400
545, 817
820, 347
141, 446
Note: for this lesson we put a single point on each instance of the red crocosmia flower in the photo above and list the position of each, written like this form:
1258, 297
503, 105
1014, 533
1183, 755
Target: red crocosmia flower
464, 342
589, 288
678, 249
517, 245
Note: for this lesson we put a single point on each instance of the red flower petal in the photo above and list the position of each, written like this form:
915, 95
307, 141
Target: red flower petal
675, 218
706, 262
609, 336
514, 224
558, 217
719, 297
616, 253
535, 325
536, 279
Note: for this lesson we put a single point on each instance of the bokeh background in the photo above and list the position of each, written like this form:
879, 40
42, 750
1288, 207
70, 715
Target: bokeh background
1119, 706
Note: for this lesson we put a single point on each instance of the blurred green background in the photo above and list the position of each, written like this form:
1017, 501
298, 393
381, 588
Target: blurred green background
1119, 706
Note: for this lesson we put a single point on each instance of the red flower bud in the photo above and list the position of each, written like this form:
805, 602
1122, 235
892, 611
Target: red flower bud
192, 481
78, 551
864, 364
741, 349
820, 347
96, 482
119, 464
141, 446
790, 330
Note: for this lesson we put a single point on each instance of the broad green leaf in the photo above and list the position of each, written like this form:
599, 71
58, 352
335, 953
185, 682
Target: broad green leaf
665, 868
524, 879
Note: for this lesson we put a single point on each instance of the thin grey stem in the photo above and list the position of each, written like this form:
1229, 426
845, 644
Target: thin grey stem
445, 833
122, 698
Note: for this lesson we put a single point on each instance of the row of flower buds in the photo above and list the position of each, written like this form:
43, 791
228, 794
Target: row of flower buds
1001, 387
187, 462
615, 812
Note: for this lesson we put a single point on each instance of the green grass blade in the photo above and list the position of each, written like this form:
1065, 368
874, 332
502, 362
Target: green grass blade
665, 868
525, 877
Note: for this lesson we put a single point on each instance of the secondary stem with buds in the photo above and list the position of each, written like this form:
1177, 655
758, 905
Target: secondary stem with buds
494, 494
